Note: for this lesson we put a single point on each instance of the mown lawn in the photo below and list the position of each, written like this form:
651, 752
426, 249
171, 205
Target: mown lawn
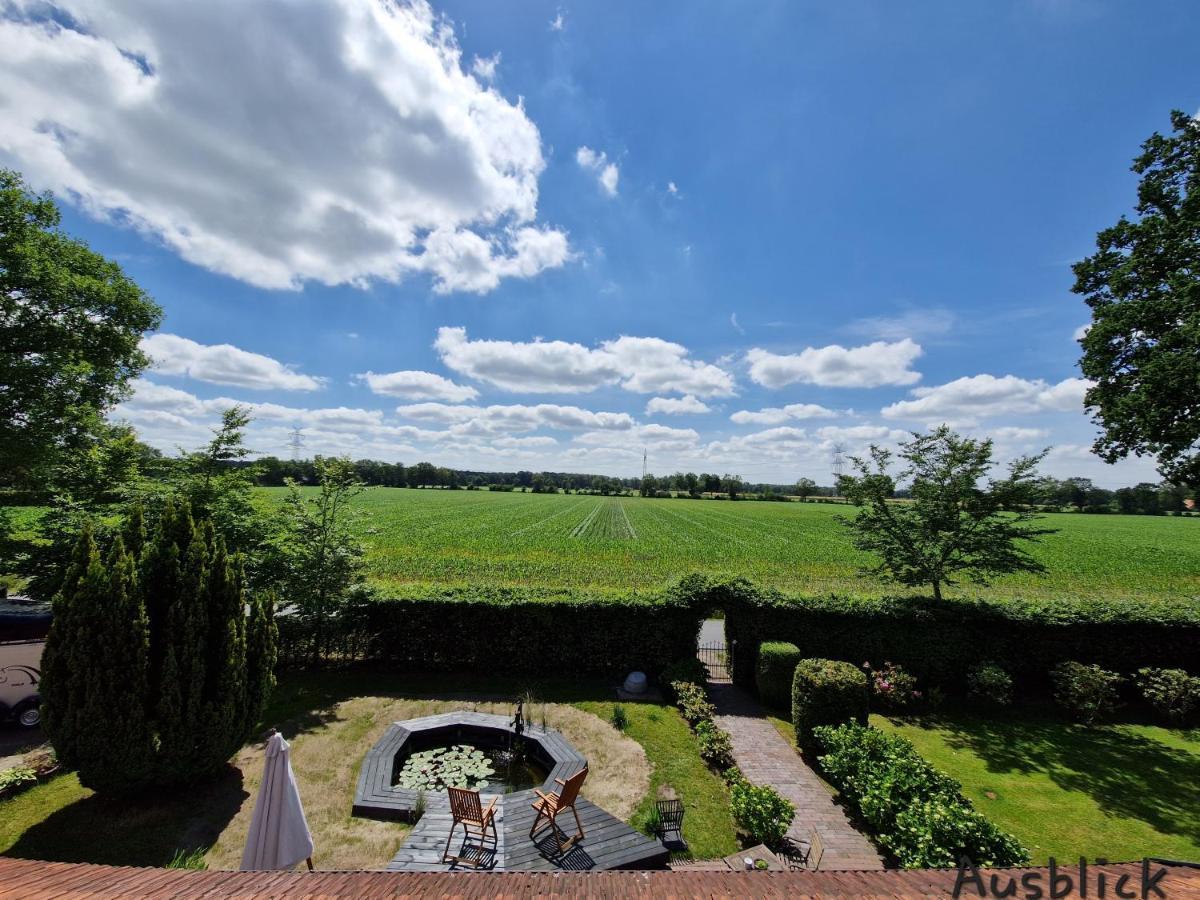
1120, 791
678, 771
333, 719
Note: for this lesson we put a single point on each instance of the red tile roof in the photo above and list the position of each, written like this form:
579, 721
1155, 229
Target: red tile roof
35, 880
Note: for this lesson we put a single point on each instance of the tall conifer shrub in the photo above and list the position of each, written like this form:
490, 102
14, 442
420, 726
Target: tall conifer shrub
156, 669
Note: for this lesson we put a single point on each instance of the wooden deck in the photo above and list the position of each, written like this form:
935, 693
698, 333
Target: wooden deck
608, 843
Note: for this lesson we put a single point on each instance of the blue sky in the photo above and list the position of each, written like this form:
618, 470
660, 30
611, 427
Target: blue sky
553, 235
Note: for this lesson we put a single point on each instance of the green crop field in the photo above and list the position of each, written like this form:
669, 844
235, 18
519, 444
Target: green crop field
430, 537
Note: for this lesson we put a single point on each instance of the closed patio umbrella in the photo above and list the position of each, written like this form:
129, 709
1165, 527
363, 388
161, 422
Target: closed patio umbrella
279, 836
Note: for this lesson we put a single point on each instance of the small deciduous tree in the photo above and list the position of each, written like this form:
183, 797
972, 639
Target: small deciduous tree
322, 555
954, 524
805, 488
218, 484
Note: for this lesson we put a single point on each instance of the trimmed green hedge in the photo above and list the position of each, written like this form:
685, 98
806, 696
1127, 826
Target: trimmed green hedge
916, 812
943, 642
826, 692
516, 632
773, 675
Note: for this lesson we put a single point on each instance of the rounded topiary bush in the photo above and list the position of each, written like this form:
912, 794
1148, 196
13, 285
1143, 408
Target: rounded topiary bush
773, 674
826, 692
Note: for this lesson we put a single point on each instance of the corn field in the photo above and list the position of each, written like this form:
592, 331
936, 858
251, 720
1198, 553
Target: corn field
438, 537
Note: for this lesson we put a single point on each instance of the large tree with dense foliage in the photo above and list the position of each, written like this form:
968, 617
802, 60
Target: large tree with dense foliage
954, 524
155, 672
1143, 286
70, 323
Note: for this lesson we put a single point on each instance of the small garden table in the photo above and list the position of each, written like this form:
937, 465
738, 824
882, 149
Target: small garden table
737, 861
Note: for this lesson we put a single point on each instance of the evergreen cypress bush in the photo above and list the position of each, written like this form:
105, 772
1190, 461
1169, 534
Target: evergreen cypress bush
773, 675
826, 692
154, 673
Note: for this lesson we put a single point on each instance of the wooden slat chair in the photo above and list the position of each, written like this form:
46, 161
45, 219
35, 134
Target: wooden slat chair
548, 806
476, 821
805, 856
670, 824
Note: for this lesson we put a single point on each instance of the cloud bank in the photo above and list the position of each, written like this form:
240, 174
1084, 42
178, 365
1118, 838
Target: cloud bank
280, 143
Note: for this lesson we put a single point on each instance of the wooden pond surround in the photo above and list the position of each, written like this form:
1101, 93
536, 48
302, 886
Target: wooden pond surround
608, 842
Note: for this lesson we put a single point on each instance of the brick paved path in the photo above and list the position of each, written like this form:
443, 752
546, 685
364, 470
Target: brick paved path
766, 758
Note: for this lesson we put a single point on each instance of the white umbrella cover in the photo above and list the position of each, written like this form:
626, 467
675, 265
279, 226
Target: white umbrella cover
279, 836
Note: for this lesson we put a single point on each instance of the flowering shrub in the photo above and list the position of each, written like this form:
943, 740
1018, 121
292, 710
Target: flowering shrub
692, 702
916, 812
928, 835
760, 810
990, 683
716, 748
892, 686
1174, 694
1088, 692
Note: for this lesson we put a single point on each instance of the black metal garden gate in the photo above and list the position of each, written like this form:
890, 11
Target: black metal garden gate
716, 660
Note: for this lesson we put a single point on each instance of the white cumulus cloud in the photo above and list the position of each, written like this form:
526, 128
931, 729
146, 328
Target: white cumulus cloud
280, 143
517, 417
676, 406
979, 396
223, 364
640, 364
416, 385
777, 415
873, 365
597, 163
662, 437
485, 66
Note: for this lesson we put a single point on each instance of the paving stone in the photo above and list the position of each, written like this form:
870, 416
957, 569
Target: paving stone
765, 758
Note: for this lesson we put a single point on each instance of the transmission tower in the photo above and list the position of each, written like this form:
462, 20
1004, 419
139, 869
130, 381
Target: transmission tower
296, 442
643, 465
839, 451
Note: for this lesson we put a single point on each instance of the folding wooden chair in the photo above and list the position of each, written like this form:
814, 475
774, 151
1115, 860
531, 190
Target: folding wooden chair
468, 811
548, 806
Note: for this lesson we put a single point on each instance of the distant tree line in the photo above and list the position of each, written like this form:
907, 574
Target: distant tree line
1078, 494
1144, 499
